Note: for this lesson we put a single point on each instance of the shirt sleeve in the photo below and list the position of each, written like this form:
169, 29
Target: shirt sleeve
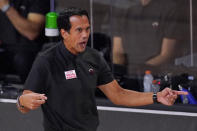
40, 6
119, 20
36, 80
105, 74
172, 26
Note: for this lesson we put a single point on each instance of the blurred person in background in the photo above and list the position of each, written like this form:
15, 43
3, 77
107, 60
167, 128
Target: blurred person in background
21, 34
149, 35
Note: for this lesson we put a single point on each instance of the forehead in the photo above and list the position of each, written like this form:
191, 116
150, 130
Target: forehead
79, 20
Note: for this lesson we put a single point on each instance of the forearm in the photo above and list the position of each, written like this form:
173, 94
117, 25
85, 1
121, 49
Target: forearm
121, 96
124, 97
133, 98
118, 51
119, 59
158, 60
166, 54
24, 26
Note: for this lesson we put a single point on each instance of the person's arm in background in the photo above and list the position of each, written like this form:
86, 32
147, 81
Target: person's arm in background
124, 97
29, 27
172, 35
30, 101
118, 51
167, 53
119, 19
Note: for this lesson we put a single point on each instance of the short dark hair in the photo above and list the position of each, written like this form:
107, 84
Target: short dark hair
63, 19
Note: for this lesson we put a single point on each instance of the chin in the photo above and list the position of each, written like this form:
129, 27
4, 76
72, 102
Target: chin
82, 50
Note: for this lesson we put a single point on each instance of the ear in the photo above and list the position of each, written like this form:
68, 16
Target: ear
64, 33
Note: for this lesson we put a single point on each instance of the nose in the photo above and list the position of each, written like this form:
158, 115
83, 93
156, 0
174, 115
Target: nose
85, 34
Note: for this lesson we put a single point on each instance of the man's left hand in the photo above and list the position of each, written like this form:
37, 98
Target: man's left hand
169, 96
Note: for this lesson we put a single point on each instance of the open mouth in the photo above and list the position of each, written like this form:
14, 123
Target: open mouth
83, 44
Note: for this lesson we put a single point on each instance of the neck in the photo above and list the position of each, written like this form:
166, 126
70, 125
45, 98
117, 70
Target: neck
69, 48
145, 2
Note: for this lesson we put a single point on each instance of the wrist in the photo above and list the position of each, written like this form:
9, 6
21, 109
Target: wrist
19, 104
5, 8
155, 97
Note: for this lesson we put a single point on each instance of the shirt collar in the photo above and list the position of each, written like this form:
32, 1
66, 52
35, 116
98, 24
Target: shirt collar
66, 53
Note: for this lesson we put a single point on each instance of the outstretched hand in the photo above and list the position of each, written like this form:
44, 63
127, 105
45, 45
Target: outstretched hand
168, 96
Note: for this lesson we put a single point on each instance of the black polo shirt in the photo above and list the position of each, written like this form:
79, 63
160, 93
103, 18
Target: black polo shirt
69, 82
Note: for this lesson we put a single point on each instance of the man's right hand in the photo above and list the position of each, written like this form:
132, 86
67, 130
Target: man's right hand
32, 100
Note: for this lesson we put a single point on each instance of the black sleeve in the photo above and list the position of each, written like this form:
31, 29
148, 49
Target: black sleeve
172, 28
119, 21
36, 80
105, 75
40, 6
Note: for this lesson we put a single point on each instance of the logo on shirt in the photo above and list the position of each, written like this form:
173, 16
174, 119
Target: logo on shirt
155, 24
70, 74
91, 71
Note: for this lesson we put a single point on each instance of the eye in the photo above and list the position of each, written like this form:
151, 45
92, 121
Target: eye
88, 29
79, 29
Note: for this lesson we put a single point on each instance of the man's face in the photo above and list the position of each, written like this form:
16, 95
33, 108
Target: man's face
76, 40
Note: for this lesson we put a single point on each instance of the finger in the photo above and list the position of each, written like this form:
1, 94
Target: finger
171, 99
43, 97
175, 97
40, 97
180, 92
171, 93
33, 107
174, 94
38, 102
168, 98
168, 91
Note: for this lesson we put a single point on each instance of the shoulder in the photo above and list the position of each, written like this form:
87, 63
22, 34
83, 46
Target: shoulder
94, 57
92, 54
50, 53
92, 51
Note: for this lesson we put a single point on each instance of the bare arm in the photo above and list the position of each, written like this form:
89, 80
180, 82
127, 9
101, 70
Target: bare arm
166, 54
30, 101
120, 96
118, 51
29, 27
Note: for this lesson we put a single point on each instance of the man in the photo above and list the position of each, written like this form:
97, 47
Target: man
21, 25
64, 79
149, 35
